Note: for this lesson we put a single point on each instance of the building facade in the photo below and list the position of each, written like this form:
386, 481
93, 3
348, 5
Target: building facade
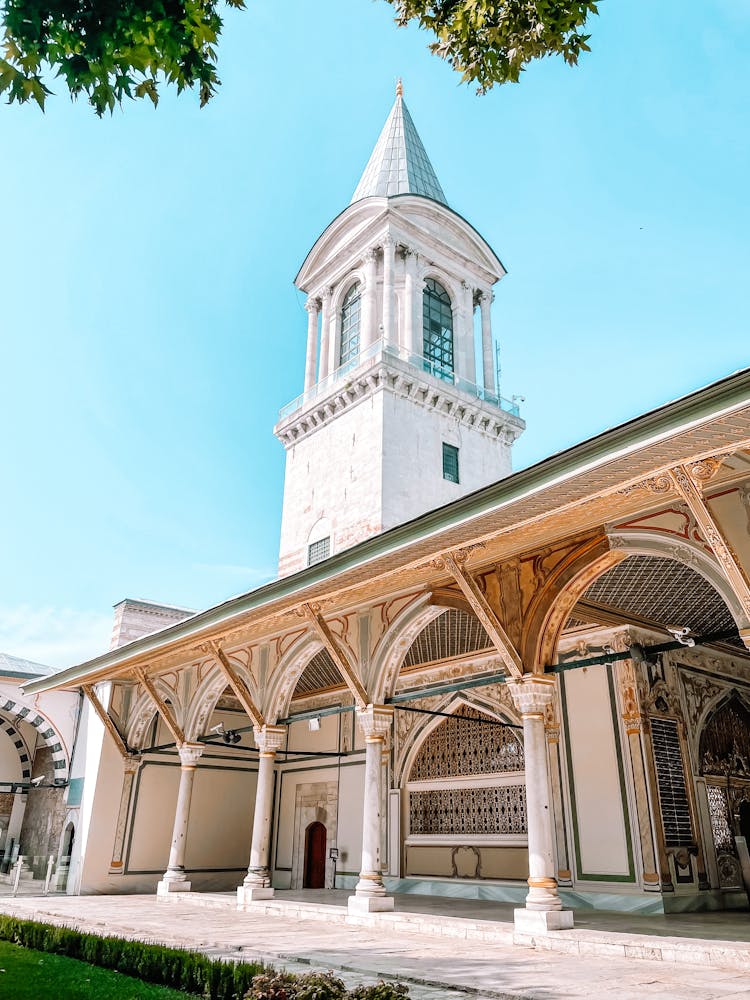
529, 686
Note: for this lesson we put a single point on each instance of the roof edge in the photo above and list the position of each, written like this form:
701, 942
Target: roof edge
718, 397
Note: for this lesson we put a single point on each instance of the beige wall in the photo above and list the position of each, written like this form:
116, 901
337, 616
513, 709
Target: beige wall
600, 815
450, 861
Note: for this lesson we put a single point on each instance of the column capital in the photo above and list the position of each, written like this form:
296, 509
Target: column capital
369, 255
190, 754
388, 241
532, 694
131, 763
375, 721
269, 739
325, 294
312, 304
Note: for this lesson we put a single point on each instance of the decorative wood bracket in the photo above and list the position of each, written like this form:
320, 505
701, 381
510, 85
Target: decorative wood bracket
485, 614
329, 641
161, 706
686, 483
237, 684
105, 719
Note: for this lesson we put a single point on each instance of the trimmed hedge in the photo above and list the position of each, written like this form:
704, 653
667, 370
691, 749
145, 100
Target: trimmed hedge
188, 971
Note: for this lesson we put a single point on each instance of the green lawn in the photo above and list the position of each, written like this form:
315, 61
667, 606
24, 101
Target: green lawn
36, 975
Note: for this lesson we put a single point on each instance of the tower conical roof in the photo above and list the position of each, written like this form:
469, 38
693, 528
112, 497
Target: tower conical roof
399, 163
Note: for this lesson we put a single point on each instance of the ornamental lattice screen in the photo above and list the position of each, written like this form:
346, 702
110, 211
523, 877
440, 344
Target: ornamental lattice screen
470, 744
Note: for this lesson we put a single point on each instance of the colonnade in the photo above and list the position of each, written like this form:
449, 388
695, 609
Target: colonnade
543, 910
403, 331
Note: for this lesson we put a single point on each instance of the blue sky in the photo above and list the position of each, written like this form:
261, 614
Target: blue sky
150, 329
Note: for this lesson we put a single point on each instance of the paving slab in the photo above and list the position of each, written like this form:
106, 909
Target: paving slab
435, 967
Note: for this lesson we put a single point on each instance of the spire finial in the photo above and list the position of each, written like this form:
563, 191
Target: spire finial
399, 88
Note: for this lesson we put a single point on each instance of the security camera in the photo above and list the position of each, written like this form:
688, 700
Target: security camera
608, 648
217, 729
36, 782
682, 635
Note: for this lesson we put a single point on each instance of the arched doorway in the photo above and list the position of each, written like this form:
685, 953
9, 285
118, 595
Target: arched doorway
725, 765
315, 857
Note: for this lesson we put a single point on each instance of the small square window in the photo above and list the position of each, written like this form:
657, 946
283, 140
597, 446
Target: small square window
318, 551
450, 463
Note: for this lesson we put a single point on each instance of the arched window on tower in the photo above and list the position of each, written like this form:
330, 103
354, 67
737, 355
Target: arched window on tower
350, 316
437, 329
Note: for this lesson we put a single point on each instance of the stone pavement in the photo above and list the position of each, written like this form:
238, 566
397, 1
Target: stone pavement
436, 968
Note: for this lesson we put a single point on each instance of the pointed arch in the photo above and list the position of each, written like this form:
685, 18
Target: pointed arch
144, 711
687, 551
283, 680
47, 732
202, 704
553, 603
394, 645
719, 706
426, 725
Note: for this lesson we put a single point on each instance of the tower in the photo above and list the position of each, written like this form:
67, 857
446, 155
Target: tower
398, 415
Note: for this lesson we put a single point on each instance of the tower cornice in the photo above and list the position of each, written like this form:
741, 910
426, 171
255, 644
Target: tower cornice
385, 371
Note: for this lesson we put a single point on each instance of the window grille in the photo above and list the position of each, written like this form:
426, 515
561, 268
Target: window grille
466, 744
670, 778
437, 330
719, 813
450, 463
350, 316
467, 811
318, 551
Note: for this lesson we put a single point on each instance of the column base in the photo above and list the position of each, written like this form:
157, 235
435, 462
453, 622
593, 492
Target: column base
250, 893
168, 886
542, 921
370, 904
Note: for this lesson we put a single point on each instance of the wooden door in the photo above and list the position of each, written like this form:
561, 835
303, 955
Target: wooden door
315, 857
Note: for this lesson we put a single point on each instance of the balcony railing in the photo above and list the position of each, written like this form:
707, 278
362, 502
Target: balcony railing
381, 349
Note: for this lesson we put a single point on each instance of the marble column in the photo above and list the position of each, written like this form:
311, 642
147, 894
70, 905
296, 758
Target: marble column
312, 342
257, 885
325, 334
463, 337
369, 332
552, 733
175, 877
488, 360
375, 721
389, 325
412, 338
543, 910
130, 767
334, 340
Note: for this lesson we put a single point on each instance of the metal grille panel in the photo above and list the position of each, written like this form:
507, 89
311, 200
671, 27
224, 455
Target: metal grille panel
319, 673
468, 810
664, 591
453, 633
466, 744
670, 778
